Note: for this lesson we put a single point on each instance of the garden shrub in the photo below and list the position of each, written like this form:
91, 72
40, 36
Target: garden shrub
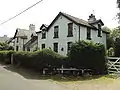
5, 56
117, 47
45, 58
88, 55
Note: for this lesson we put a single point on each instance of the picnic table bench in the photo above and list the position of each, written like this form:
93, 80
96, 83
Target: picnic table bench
73, 70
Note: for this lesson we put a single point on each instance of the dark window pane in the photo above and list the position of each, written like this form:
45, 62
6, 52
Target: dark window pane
69, 45
55, 48
88, 33
28, 49
99, 30
56, 30
23, 48
70, 29
43, 34
17, 48
43, 46
17, 39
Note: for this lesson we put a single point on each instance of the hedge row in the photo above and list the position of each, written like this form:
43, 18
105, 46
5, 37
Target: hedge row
39, 59
82, 55
88, 55
5, 56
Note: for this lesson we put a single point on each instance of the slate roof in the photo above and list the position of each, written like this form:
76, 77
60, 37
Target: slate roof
76, 20
33, 39
43, 25
10, 40
23, 32
4, 39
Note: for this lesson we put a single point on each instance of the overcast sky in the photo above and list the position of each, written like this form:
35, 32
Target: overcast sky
46, 11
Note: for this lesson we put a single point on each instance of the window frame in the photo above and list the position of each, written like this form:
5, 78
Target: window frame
99, 31
68, 46
42, 46
17, 40
43, 34
88, 33
28, 48
70, 30
55, 47
17, 48
56, 31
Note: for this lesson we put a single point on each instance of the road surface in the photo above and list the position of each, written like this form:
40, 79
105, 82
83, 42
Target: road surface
10, 80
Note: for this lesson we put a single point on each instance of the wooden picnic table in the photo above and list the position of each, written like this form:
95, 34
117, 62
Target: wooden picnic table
68, 69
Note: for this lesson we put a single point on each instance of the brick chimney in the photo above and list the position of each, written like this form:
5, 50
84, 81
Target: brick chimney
91, 18
32, 27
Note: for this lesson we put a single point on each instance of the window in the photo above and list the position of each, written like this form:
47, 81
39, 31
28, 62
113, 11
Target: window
89, 33
43, 46
28, 49
55, 48
43, 34
23, 48
17, 48
99, 30
17, 39
56, 30
70, 29
69, 46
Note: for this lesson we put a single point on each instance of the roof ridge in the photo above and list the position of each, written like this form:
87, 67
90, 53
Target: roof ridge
73, 16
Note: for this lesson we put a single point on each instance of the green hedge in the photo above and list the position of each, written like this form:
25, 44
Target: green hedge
39, 59
5, 56
88, 55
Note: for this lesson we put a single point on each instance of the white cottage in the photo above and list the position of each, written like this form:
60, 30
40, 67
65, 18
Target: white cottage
22, 36
65, 29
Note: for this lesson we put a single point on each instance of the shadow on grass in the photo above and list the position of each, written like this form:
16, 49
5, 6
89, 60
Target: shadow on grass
31, 74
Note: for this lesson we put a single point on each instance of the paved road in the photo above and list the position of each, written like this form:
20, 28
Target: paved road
13, 81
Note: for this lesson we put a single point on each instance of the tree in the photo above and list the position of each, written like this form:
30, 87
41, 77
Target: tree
118, 2
110, 40
118, 5
115, 35
117, 47
115, 32
5, 46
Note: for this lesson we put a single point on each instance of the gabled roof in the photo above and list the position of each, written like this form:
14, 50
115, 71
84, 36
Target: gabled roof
4, 39
41, 28
43, 25
39, 32
33, 34
97, 21
75, 20
10, 40
22, 33
33, 39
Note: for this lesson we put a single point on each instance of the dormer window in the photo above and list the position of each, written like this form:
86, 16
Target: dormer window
99, 30
43, 35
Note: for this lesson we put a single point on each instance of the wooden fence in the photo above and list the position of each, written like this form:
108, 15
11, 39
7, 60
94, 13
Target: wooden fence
113, 65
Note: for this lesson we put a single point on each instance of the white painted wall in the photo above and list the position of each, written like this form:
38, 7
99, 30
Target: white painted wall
42, 41
19, 44
62, 22
94, 36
